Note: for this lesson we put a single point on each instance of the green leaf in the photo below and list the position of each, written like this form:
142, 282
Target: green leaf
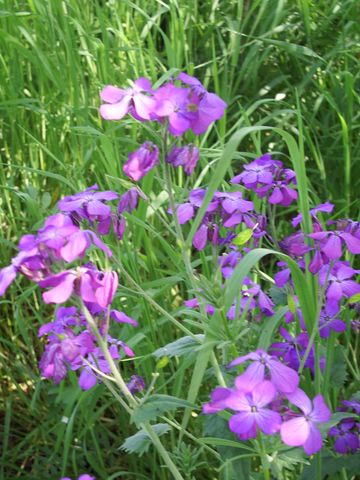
243, 237
278, 295
355, 298
183, 346
140, 442
157, 405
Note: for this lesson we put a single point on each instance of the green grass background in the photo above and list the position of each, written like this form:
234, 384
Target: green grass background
55, 56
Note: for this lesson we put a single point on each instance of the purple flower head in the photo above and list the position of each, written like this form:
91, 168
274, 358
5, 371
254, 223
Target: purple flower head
88, 204
92, 286
293, 349
302, 430
285, 379
141, 161
252, 412
175, 104
128, 202
339, 283
346, 436
210, 106
294, 245
136, 100
331, 243
352, 405
218, 400
186, 157
258, 173
136, 384
267, 177
328, 320
326, 207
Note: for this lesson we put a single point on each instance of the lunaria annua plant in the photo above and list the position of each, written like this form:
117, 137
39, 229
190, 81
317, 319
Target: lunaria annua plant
282, 397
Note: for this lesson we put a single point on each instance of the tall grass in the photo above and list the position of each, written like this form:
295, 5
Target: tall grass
260, 56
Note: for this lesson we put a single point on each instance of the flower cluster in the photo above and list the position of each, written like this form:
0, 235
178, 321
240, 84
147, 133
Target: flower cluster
179, 105
226, 211
48, 259
267, 178
261, 398
347, 433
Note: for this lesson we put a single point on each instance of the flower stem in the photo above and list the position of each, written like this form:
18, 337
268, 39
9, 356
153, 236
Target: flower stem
130, 398
264, 460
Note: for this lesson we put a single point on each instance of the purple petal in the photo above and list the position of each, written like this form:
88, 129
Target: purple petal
268, 421
185, 212
241, 422
284, 378
314, 441
7, 276
111, 94
295, 432
75, 247
62, 291
200, 238
253, 375
115, 111
120, 317
263, 393
332, 247
87, 379
352, 242
301, 400
321, 412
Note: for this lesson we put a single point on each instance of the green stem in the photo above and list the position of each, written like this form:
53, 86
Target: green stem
264, 460
130, 398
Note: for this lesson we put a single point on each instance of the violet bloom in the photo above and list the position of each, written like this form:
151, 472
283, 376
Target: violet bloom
339, 283
210, 106
292, 349
326, 207
136, 384
136, 100
186, 157
218, 400
173, 103
88, 204
141, 161
302, 430
328, 320
252, 412
352, 405
331, 243
285, 379
129, 201
92, 286
346, 436
294, 245
267, 177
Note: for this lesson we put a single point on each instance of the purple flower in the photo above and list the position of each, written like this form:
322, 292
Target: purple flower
328, 320
136, 100
285, 379
128, 202
252, 412
89, 284
326, 207
339, 283
346, 436
218, 400
136, 384
302, 430
267, 177
210, 106
186, 157
292, 350
352, 405
331, 243
141, 161
175, 104
89, 203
